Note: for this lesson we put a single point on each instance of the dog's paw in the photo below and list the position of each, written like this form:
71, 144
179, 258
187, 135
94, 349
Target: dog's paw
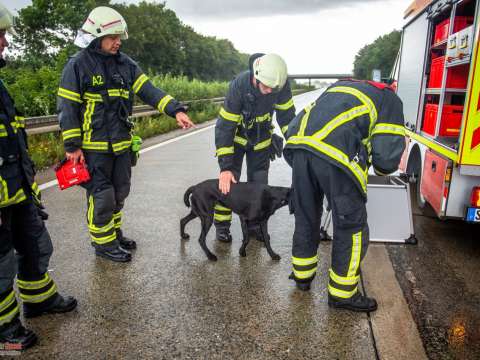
212, 257
276, 257
185, 236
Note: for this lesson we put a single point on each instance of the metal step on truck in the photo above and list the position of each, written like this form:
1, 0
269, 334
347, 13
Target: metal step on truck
438, 77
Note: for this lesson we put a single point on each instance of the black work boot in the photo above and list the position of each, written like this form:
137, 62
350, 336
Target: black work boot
15, 333
224, 235
57, 304
125, 242
301, 285
358, 303
114, 253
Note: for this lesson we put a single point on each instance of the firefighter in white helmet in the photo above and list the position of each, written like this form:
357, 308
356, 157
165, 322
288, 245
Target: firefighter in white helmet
244, 128
25, 245
95, 99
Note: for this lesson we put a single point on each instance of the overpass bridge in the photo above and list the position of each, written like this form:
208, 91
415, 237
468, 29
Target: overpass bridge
319, 76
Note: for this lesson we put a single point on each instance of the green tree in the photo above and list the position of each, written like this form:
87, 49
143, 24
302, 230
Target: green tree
380, 54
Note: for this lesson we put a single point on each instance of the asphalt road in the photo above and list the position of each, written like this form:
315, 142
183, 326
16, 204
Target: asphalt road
171, 302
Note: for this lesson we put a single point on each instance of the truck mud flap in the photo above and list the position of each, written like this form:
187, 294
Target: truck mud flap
389, 212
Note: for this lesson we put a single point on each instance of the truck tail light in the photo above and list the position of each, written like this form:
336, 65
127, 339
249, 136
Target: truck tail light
475, 199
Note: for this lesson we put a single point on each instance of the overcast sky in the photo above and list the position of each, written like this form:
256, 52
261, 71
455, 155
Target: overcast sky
314, 36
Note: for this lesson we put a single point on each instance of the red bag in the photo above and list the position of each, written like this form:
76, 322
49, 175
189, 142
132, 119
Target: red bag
69, 174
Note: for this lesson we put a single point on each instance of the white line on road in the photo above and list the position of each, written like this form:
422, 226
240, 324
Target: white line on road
153, 147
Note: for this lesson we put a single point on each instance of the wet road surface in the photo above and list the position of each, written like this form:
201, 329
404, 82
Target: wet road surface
171, 302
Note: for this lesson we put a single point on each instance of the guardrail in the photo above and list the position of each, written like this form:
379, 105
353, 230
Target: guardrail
49, 123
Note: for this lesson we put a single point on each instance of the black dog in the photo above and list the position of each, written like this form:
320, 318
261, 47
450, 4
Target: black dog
253, 202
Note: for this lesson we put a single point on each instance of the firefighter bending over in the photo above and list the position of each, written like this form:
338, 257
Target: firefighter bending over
244, 128
25, 244
95, 99
331, 144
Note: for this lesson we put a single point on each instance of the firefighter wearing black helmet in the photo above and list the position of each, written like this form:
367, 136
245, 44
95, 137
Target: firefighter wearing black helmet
25, 245
244, 127
95, 99
330, 146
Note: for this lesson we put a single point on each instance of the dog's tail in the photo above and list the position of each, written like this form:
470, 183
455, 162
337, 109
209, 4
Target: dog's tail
186, 196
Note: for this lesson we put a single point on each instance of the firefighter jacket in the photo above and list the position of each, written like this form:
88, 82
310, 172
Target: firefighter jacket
95, 99
16, 168
353, 125
246, 118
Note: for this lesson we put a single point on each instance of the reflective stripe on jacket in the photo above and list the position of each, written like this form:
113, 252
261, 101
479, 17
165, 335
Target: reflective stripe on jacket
95, 98
17, 171
352, 124
246, 118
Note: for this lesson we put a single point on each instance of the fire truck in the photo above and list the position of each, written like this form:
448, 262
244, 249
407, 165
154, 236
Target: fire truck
438, 76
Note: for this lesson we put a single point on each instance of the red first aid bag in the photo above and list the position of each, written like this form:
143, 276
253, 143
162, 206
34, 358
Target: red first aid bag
69, 174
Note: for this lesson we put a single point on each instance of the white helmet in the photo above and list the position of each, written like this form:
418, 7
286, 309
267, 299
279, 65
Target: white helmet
270, 70
105, 21
6, 20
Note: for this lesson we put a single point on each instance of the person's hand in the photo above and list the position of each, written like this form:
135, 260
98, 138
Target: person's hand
184, 121
76, 156
224, 181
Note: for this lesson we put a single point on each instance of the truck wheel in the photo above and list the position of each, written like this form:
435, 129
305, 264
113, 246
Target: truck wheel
421, 202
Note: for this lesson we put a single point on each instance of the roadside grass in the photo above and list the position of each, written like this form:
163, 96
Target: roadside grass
47, 149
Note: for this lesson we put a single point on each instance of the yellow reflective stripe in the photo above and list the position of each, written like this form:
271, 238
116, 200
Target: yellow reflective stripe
5, 319
95, 145
341, 119
19, 121
240, 140
342, 280
34, 285
104, 239
68, 134
262, 145
9, 300
341, 293
87, 121
220, 217
388, 129
221, 208
117, 215
335, 154
303, 124
262, 118
225, 151
5, 200
118, 92
299, 274
230, 116
35, 188
99, 230
304, 261
121, 145
3, 131
284, 129
137, 85
285, 106
39, 297
162, 104
91, 226
70, 95
355, 256
363, 98
443, 150
92, 96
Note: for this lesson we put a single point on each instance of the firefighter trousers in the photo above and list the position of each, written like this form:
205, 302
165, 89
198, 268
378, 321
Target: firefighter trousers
314, 178
258, 163
25, 250
107, 190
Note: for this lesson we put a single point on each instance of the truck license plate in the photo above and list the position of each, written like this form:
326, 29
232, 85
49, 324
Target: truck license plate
473, 214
